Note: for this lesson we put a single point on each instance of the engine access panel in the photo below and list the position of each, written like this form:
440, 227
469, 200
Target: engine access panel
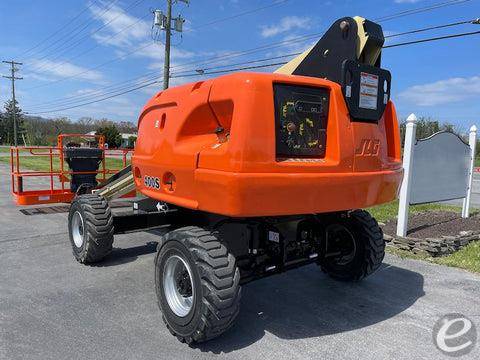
301, 115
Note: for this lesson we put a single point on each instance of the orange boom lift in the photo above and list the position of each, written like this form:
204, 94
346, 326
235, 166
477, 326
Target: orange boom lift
252, 174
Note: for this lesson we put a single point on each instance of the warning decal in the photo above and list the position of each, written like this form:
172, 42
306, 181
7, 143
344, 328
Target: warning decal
368, 91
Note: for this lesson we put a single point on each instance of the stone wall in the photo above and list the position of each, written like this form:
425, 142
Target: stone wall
434, 247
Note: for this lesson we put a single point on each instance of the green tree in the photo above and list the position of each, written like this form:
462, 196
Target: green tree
427, 127
2, 129
6, 123
111, 134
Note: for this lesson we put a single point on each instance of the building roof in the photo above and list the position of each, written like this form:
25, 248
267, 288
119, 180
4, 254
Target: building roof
127, 135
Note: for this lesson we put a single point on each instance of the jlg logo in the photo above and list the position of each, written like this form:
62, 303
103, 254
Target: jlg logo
152, 182
368, 147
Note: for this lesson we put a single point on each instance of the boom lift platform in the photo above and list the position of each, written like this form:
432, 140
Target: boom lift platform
252, 174
70, 170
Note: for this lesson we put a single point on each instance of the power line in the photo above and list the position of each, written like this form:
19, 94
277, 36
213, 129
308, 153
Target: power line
474, 21
82, 39
57, 31
98, 91
208, 60
261, 48
385, 47
203, 70
144, 46
248, 12
433, 39
232, 70
244, 68
75, 99
98, 44
112, 89
91, 68
265, 47
270, 46
98, 100
421, 10
131, 25
138, 85
82, 26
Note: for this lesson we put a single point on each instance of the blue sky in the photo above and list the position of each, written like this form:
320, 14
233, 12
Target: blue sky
437, 79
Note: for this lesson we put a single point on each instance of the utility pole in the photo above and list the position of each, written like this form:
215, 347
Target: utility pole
164, 22
166, 65
13, 70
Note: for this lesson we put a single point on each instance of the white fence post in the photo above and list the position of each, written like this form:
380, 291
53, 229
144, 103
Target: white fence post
404, 201
472, 141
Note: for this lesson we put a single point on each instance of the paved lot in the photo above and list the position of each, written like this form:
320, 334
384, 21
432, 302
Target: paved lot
475, 192
51, 307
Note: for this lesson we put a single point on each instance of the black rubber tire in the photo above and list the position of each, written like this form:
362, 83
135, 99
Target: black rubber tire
370, 248
98, 228
216, 284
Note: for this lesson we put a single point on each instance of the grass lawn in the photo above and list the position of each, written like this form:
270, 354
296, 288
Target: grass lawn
467, 258
389, 211
42, 163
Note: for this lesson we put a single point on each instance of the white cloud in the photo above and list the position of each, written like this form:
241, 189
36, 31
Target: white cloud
85, 92
61, 69
286, 24
134, 38
291, 44
120, 29
443, 91
35, 76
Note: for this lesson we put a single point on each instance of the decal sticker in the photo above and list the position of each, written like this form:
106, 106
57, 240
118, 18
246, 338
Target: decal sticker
368, 91
151, 182
274, 236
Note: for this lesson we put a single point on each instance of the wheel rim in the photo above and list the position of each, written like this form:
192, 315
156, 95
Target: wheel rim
77, 229
178, 285
341, 247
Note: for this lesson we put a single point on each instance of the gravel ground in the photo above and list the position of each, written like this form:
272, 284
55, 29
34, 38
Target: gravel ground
435, 224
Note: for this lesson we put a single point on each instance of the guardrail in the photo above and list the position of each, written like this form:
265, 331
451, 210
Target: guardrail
58, 189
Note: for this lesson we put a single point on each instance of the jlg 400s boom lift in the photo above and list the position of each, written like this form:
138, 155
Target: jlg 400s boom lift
253, 174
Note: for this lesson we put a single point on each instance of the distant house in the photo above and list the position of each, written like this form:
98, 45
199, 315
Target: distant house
89, 141
125, 137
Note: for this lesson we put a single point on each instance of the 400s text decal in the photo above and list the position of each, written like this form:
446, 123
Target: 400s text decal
151, 182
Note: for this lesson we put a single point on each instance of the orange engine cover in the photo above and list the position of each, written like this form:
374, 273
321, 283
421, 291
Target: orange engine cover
219, 146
